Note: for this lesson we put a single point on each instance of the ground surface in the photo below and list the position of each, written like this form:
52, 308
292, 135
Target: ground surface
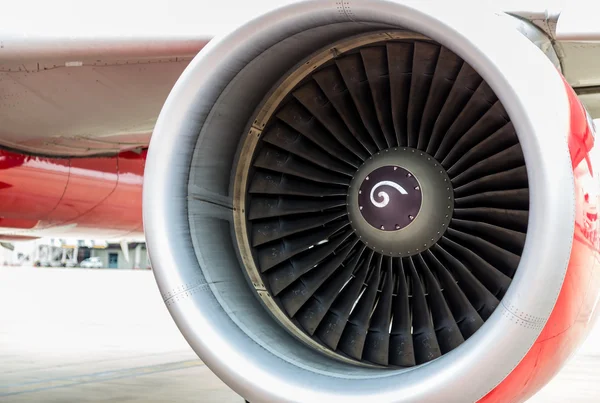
74, 335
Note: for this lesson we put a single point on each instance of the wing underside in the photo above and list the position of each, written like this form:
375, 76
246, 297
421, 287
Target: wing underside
72, 85
89, 98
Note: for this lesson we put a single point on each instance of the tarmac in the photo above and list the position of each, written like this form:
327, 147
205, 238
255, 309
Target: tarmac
77, 335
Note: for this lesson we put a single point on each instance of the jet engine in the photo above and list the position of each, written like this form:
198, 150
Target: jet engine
375, 201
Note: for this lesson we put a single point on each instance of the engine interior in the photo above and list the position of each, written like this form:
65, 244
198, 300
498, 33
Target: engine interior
397, 296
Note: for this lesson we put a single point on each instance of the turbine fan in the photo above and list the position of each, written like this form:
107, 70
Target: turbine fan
280, 131
381, 307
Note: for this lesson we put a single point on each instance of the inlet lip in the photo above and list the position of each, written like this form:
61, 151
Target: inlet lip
230, 347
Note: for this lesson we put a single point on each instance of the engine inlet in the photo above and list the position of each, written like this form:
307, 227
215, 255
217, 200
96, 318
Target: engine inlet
386, 203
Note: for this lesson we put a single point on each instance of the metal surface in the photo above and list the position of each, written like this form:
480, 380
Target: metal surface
101, 107
425, 219
126, 68
98, 197
539, 29
72, 85
376, 192
575, 311
242, 345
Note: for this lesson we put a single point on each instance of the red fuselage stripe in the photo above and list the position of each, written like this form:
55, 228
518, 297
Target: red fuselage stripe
98, 195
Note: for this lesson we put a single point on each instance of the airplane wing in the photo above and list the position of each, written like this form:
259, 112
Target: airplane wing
90, 81
69, 95
78, 102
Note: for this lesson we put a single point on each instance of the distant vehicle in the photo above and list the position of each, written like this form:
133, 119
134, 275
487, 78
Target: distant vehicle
47, 263
91, 263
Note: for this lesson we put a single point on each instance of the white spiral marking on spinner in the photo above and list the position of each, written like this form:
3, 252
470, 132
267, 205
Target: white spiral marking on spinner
384, 195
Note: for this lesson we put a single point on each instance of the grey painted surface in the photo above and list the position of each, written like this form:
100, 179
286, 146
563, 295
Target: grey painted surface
69, 79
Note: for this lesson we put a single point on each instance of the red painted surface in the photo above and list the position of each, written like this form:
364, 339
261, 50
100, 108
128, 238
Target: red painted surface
98, 197
574, 313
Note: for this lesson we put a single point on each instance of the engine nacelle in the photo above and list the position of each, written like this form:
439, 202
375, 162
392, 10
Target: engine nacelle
375, 201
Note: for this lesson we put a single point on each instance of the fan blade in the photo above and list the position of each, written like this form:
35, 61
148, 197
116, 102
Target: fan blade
467, 318
312, 313
424, 337
424, 62
493, 279
332, 84
333, 324
480, 297
277, 228
400, 56
281, 161
288, 139
281, 184
507, 159
489, 123
515, 220
376, 67
378, 337
505, 261
355, 333
467, 82
447, 332
517, 199
515, 178
313, 99
502, 139
273, 254
352, 70
297, 117
299, 292
446, 71
506, 239
282, 275
402, 352
266, 207
482, 100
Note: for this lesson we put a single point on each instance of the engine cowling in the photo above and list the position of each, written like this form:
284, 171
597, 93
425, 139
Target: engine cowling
378, 201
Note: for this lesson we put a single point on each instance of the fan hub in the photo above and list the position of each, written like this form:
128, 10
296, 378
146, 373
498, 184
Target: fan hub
400, 201
389, 198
